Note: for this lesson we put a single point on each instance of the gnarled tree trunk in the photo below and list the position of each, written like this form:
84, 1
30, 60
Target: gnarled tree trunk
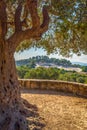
11, 117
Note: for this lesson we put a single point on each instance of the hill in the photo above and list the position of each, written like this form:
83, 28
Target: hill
43, 67
46, 61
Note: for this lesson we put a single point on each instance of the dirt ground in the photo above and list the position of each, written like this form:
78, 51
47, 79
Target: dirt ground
56, 110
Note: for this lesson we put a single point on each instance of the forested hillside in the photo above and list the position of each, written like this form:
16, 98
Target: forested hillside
43, 67
45, 59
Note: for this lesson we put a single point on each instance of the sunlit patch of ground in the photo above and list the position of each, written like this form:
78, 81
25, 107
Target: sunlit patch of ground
57, 110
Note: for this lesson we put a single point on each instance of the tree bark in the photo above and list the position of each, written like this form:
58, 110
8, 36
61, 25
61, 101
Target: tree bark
11, 117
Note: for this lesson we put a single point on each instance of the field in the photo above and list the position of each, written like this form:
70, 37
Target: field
53, 110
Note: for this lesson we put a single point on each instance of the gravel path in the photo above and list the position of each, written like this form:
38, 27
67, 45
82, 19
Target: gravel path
57, 110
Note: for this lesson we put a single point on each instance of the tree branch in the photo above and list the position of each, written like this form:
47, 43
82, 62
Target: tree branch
44, 26
3, 19
36, 31
32, 6
18, 24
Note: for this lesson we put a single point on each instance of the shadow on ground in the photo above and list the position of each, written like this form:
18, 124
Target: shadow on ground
50, 92
35, 122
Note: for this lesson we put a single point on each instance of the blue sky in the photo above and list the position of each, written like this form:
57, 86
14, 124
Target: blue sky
34, 52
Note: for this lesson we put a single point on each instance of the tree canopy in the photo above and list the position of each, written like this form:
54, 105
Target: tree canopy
67, 33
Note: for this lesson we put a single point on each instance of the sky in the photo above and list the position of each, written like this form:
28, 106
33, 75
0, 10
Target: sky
39, 52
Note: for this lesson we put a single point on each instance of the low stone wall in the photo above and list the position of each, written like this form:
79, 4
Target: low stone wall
69, 87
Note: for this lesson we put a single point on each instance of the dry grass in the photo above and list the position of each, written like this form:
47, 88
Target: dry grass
57, 111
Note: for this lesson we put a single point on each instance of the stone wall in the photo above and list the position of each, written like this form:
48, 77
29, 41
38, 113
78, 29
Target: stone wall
69, 87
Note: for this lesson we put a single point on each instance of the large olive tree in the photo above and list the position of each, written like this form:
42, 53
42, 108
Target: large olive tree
23, 20
13, 16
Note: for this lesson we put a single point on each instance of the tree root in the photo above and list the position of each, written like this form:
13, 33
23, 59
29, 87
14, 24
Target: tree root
14, 118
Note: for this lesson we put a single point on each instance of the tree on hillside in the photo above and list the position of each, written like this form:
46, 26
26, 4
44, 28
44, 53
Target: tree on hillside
13, 18
19, 22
